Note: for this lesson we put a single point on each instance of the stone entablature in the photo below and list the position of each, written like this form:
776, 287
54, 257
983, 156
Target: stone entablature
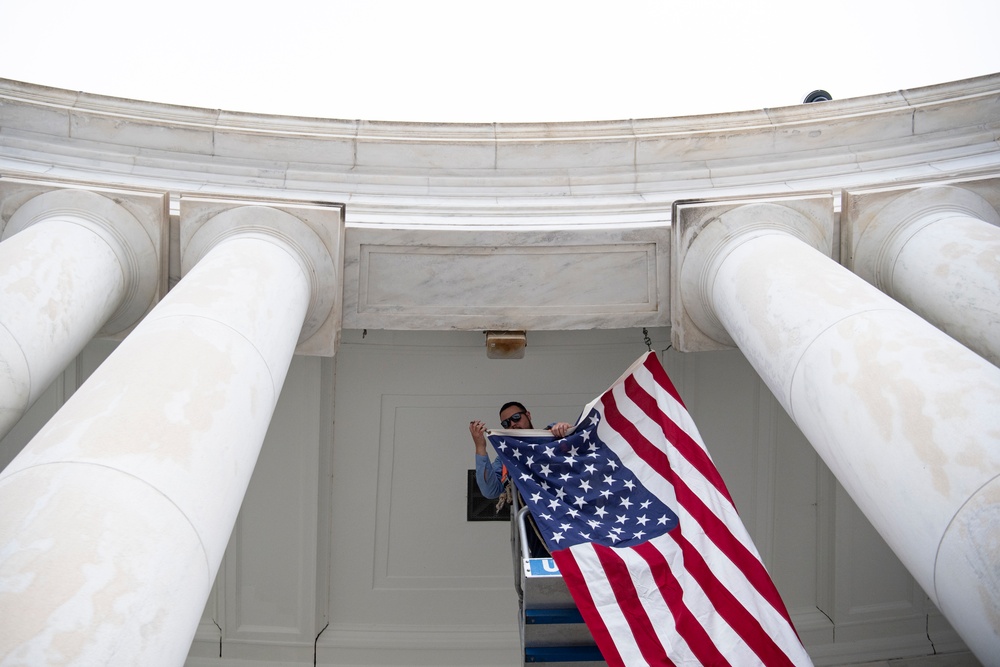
559, 174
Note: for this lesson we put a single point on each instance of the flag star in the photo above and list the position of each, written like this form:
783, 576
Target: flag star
600, 511
560, 493
545, 470
608, 480
638, 536
569, 460
530, 461
646, 504
525, 476
589, 468
572, 511
584, 535
516, 454
536, 497
592, 447
641, 520
565, 526
614, 538
549, 451
662, 521
547, 517
557, 537
565, 476
612, 464
622, 518
594, 420
593, 524
630, 484
545, 485
579, 501
585, 485
617, 531
502, 446
626, 503
573, 451
606, 493
553, 504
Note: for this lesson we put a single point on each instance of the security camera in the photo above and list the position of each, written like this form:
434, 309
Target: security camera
817, 96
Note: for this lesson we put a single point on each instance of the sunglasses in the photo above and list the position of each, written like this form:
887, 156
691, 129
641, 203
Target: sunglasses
516, 417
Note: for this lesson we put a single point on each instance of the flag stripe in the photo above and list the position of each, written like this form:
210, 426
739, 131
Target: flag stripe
718, 533
578, 588
702, 606
745, 624
652, 364
628, 601
676, 436
688, 627
716, 529
650, 435
750, 560
682, 471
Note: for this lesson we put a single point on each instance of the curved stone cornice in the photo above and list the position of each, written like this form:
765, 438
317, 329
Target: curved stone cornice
626, 171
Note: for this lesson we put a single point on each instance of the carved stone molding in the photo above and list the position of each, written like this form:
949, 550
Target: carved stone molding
133, 223
313, 232
876, 222
705, 231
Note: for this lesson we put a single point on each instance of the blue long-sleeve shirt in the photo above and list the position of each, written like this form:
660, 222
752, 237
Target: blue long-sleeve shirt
488, 476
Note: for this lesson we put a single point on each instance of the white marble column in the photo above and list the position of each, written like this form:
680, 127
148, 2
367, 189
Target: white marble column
116, 515
937, 251
904, 416
72, 263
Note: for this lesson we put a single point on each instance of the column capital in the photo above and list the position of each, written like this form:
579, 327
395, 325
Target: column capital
876, 223
133, 223
313, 232
703, 233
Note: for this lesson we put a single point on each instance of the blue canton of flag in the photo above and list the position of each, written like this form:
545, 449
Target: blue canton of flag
578, 490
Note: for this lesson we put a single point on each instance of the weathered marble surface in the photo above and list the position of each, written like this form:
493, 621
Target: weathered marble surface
506, 279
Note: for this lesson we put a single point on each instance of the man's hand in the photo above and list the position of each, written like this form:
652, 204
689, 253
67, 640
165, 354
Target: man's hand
560, 429
478, 431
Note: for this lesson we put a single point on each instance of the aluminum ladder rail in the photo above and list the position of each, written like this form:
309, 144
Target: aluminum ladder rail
552, 631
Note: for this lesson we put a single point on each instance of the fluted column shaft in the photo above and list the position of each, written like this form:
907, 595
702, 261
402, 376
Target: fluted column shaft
904, 416
62, 277
116, 515
937, 251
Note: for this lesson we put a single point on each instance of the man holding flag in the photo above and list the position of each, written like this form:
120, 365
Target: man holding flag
645, 532
513, 415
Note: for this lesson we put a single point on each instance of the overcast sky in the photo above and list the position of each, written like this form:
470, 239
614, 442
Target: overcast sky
485, 61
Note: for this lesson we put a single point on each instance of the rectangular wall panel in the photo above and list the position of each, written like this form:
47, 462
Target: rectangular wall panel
538, 280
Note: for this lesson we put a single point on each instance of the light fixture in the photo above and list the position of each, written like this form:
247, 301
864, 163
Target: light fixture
505, 344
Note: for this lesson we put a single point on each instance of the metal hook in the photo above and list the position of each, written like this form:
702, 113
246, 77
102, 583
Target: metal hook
646, 340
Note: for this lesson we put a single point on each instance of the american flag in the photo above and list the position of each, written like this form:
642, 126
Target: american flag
646, 535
